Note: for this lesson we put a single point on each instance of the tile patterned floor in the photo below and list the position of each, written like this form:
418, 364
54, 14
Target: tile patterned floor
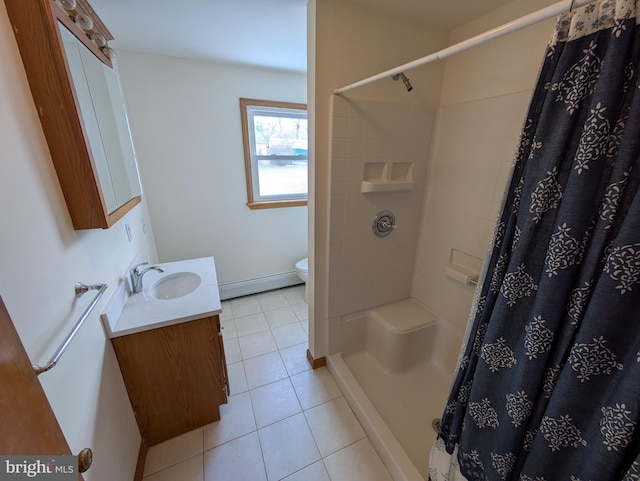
284, 421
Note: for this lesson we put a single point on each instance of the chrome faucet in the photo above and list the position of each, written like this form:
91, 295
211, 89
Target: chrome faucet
136, 274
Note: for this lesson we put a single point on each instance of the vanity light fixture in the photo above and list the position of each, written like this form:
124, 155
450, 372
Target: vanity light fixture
81, 13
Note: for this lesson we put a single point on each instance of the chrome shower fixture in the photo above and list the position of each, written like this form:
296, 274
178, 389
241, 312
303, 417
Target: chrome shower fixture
405, 80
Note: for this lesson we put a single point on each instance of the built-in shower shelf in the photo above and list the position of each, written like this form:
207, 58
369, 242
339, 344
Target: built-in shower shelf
387, 177
385, 186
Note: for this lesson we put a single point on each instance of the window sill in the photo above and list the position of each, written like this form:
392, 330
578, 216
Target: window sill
277, 204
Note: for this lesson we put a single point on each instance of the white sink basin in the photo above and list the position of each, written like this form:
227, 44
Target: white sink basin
175, 285
187, 290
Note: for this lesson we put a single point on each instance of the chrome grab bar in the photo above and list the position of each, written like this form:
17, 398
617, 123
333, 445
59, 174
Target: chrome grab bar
80, 290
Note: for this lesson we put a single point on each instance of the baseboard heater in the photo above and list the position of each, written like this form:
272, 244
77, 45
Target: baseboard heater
229, 290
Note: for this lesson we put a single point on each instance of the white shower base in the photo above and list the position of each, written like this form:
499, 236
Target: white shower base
396, 376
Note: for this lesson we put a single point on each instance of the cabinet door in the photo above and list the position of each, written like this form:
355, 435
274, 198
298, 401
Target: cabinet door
174, 377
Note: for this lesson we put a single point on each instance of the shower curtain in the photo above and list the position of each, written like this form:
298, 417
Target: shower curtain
548, 383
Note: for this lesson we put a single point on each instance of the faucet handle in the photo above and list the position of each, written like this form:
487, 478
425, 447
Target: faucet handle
135, 268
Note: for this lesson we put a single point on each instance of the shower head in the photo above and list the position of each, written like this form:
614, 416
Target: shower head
405, 80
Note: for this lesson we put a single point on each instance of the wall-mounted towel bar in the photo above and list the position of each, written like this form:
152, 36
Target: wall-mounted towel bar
80, 289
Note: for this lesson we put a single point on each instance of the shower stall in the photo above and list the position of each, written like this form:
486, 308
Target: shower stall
395, 317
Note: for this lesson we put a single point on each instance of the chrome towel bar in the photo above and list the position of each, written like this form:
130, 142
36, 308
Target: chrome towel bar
80, 289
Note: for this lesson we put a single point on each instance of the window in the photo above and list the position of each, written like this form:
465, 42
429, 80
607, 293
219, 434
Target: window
275, 136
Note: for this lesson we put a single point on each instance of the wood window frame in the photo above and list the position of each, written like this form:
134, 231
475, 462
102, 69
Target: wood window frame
253, 202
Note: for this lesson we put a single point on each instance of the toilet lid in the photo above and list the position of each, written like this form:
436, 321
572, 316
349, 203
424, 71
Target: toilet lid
303, 265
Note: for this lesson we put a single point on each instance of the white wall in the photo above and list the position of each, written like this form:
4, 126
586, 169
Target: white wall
41, 258
485, 96
185, 119
351, 43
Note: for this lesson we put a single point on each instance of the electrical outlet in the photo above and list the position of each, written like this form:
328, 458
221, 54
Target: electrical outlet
127, 228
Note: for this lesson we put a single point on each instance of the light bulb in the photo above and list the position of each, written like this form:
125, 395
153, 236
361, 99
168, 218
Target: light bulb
98, 39
68, 4
84, 21
109, 52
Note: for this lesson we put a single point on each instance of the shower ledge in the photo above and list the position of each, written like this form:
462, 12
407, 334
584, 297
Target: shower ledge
385, 186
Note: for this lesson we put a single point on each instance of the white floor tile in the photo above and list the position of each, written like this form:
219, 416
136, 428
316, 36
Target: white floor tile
237, 378
251, 324
274, 402
236, 419
314, 387
315, 472
237, 460
232, 351
189, 470
264, 369
245, 306
228, 329
334, 426
227, 311
280, 317
173, 451
357, 462
289, 335
305, 325
301, 311
257, 344
295, 294
272, 300
295, 358
287, 446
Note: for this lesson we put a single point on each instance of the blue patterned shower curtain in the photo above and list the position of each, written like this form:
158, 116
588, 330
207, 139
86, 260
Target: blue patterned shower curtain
548, 383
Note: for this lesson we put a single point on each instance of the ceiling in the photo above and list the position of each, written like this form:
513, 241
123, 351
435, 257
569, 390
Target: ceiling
265, 33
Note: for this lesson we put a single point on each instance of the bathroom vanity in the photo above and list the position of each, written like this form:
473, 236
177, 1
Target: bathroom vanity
168, 343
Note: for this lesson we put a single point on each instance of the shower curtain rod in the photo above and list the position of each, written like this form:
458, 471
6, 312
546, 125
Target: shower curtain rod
522, 22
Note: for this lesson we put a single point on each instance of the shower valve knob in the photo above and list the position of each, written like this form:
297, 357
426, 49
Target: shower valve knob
383, 223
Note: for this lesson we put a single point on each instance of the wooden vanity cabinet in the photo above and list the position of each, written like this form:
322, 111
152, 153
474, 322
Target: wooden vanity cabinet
176, 377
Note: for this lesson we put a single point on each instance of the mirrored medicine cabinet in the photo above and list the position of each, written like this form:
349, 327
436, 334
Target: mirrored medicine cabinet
81, 107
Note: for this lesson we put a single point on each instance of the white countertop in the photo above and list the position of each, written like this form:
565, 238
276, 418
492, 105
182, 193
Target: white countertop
130, 313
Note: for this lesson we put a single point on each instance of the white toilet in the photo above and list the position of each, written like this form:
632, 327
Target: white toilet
302, 269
